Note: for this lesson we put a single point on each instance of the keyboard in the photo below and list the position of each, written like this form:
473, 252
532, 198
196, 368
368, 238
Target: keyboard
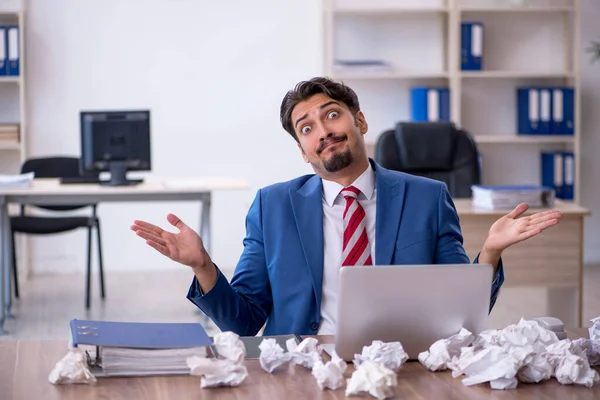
80, 180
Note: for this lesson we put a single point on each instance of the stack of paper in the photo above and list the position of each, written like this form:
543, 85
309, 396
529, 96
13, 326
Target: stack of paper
507, 197
139, 362
139, 348
16, 181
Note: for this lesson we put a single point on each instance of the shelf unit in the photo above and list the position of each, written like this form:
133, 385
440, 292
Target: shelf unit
420, 40
13, 101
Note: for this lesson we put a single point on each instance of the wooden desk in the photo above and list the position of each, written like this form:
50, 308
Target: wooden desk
25, 366
50, 191
553, 260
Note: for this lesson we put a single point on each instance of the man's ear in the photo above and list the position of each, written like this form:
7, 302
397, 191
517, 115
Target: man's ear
302, 152
361, 122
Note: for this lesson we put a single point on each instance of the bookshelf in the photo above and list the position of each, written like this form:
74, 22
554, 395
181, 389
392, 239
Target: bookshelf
525, 42
13, 125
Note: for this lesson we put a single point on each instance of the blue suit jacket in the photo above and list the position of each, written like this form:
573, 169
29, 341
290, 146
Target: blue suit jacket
279, 276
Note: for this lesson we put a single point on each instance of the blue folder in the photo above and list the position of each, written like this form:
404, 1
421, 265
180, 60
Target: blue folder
534, 110
471, 41
3, 50
138, 334
563, 111
13, 50
552, 171
568, 175
430, 104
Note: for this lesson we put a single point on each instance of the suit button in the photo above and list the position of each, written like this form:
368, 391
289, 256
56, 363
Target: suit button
314, 326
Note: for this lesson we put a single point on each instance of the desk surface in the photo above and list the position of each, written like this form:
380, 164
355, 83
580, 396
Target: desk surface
25, 366
48, 186
464, 207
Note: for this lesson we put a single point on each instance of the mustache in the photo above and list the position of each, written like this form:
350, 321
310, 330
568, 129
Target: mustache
329, 140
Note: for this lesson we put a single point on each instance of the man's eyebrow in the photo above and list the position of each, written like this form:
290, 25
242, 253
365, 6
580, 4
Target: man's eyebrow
322, 106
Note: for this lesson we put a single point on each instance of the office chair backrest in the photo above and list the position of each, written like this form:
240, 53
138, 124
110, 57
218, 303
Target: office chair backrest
436, 150
53, 167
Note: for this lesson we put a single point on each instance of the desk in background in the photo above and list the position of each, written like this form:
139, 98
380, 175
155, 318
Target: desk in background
552, 260
50, 191
27, 364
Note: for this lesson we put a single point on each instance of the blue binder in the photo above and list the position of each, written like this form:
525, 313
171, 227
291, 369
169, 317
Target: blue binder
13, 50
138, 334
534, 109
568, 175
430, 104
563, 111
552, 171
3, 51
471, 46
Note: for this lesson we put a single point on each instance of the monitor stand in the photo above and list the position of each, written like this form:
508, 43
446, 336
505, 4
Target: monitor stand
118, 175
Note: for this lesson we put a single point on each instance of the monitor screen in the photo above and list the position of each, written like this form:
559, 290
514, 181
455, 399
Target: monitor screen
115, 141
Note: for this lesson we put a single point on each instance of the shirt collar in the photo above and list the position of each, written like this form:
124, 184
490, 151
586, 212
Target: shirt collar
365, 183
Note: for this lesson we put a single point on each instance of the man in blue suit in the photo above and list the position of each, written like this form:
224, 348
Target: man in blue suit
297, 231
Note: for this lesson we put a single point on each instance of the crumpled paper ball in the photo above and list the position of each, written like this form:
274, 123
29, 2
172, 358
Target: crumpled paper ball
442, 351
305, 353
272, 355
330, 375
72, 368
372, 378
226, 371
391, 355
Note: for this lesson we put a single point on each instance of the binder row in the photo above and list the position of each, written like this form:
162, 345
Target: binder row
430, 104
471, 45
558, 172
9, 50
545, 110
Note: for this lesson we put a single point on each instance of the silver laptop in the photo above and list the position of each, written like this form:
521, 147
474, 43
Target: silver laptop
413, 304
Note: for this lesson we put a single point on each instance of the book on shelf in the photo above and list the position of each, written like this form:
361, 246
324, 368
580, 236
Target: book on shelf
494, 197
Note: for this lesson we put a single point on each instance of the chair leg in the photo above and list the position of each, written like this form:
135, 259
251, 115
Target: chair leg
14, 266
100, 264
89, 269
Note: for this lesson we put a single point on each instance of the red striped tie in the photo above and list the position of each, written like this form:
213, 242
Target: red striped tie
356, 248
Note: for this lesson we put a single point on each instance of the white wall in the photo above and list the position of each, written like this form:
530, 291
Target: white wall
590, 126
213, 74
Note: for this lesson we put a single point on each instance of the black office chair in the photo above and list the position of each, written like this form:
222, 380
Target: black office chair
436, 150
57, 167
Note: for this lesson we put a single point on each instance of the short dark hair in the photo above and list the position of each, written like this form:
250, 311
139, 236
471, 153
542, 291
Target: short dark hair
306, 89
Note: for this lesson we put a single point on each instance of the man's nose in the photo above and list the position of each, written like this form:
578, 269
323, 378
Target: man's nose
326, 135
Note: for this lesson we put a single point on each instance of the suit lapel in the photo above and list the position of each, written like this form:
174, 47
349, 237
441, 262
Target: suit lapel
390, 200
307, 206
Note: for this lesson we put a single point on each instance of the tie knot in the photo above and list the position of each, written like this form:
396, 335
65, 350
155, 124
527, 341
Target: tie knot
350, 191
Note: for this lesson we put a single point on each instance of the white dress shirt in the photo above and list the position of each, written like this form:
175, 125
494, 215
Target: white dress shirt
333, 233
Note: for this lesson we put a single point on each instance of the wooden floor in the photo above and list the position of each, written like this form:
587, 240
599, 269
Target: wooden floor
48, 303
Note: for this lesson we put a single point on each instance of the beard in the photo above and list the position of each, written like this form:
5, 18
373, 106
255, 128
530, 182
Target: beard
338, 161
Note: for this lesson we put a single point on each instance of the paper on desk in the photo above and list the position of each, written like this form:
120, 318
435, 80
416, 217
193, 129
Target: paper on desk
442, 351
591, 348
306, 353
391, 355
72, 368
331, 374
523, 352
272, 355
228, 371
17, 180
216, 372
595, 328
229, 346
373, 378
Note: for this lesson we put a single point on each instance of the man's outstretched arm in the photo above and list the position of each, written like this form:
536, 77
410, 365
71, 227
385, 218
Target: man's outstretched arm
241, 307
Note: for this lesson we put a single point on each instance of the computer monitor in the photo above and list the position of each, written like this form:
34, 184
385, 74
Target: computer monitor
117, 142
